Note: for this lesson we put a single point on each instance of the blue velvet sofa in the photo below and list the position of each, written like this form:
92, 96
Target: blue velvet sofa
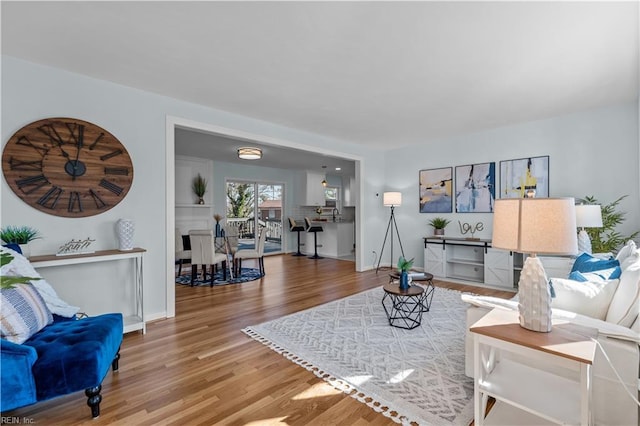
66, 356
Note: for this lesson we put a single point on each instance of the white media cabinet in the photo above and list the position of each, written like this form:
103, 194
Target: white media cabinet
474, 261
469, 261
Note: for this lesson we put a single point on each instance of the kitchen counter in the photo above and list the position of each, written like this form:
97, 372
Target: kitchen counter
336, 239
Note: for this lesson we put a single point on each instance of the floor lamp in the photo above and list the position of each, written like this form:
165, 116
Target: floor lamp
391, 199
587, 216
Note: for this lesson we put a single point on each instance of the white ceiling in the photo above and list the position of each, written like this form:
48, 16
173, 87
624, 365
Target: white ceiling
381, 74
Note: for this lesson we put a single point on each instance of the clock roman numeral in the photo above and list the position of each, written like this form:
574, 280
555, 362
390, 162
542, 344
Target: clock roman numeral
79, 138
51, 132
29, 165
98, 139
111, 186
31, 184
124, 171
75, 204
22, 140
50, 199
111, 154
96, 198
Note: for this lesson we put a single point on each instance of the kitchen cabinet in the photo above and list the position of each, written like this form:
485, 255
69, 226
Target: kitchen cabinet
312, 191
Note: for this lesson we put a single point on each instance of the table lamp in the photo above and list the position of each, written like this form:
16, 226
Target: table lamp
532, 226
587, 216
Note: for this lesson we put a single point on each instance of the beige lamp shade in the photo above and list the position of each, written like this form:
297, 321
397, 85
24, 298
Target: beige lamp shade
535, 225
392, 199
588, 216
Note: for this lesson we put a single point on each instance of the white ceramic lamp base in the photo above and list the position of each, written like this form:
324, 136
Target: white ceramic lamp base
534, 297
584, 242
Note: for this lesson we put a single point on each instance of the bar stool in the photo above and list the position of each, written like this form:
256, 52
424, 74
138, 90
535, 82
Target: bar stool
294, 227
315, 229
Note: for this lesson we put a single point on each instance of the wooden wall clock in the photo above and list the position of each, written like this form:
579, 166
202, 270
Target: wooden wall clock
67, 167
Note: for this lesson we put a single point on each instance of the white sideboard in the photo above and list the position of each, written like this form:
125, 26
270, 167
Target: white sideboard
476, 262
469, 261
132, 322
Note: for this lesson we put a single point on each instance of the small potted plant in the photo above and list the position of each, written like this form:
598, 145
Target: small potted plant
404, 266
21, 235
439, 223
199, 187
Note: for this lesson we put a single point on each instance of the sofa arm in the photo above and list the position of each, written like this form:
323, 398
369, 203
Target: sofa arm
17, 387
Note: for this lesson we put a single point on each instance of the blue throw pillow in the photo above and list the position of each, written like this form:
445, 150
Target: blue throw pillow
605, 274
587, 263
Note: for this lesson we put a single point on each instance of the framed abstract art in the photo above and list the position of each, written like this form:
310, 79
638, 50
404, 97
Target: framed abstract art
475, 188
524, 176
436, 187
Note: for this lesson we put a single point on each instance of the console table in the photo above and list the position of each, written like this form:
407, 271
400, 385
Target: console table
132, 322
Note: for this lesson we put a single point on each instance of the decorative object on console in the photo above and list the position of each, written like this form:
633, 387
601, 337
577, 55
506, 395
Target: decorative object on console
475, 188
439, 223
67, 167
404, 266
125, 229
199, 186
532, 226
20, 235
76, 247
467, 227
606, 239
391, 199
218, 229
587, 216
436, 190
523, 175
249, 153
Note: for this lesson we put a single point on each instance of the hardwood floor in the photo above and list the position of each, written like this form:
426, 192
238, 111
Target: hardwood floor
200, 369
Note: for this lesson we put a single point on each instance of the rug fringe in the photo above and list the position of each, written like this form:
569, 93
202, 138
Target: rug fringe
338, 384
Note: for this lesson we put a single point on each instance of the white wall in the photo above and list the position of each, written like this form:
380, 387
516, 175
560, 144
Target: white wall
593, 152
606, 140
138, 119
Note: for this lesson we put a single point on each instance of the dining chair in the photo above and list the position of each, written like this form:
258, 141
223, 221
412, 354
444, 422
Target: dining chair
181, 253
203, 252
257, 253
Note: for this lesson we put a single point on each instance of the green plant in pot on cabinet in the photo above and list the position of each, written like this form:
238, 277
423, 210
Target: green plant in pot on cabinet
439, 223
199, 187
20, 235
404, 266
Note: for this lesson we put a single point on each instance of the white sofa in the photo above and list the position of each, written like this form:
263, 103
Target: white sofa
618, 328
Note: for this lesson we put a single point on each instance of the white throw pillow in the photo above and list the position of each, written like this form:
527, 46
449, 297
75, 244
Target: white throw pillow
627, 250
590, 298
625, 305
21, 266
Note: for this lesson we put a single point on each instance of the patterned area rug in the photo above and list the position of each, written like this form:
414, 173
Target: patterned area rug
407, 375
248, 274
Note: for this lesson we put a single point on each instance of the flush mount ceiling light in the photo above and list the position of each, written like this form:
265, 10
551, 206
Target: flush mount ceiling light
249, 153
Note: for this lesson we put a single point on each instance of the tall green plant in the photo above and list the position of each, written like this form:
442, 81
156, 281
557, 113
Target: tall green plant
607, 239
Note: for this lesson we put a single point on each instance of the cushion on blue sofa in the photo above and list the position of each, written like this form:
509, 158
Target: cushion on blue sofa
18, 385
75, 355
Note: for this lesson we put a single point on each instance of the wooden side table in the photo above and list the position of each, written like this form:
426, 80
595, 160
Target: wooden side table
423, 279
527, 394
404, 308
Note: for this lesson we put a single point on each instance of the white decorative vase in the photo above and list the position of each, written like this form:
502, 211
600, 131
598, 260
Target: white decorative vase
125, 229
534, 297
